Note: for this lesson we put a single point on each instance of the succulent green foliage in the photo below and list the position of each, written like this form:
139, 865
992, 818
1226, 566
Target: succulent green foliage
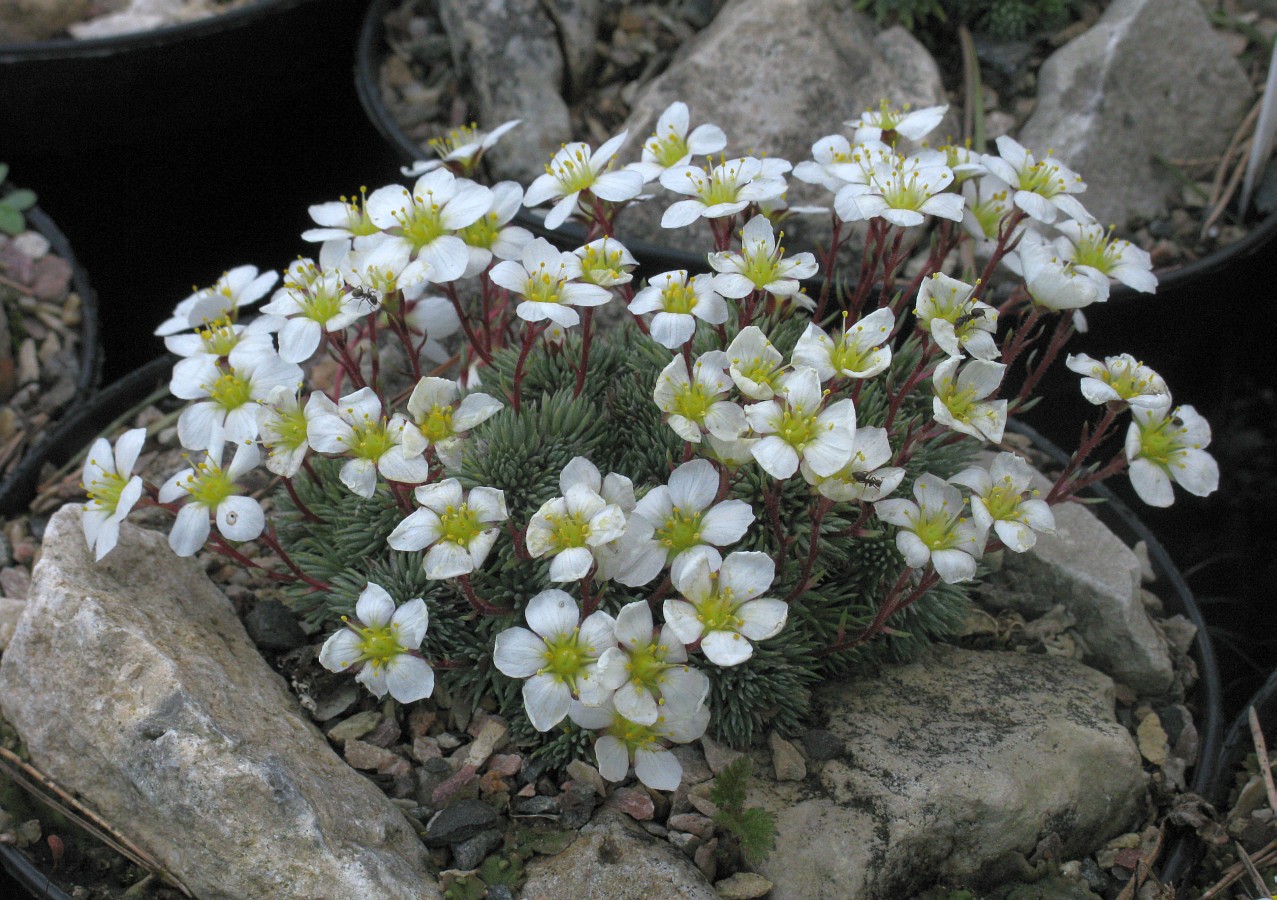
753, 827
13, 204
1001, 19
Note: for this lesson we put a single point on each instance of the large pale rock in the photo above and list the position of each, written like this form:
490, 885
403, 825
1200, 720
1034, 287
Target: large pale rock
133, 683
509, 50
776, 76
1149, 78
616, 859
1088, 569
38, 20
952, 762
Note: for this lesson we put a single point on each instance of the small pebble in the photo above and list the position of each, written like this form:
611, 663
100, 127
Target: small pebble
743, 886
361, 755
584, 773
15, 582
786, 759
822, 745
688, 843
535, 806
633, 802
706, 860
425, 747
699, 825
449, 789
469, 853
506, 765
356, 726
718, 756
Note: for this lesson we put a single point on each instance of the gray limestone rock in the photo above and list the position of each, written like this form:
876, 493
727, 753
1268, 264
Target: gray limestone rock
830, 64
509, 51
1149, 78
133, 684
617, 859
952, 762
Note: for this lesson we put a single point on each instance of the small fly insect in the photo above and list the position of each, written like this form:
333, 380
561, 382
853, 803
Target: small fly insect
866, 479
965, 318
367, 295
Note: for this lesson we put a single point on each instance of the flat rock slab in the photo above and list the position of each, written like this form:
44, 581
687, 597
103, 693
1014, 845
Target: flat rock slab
1151, 77
616, 859
952, 762
133, 683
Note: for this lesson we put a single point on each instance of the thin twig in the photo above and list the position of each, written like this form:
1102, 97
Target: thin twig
1255, 878
1224, 200
1261, 751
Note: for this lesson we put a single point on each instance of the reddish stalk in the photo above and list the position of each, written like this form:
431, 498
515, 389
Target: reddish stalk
530, 336
480, 605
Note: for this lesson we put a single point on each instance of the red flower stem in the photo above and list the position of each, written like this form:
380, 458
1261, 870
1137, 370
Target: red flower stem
1004, 246
827, 263
451, 293
589, 599
268, 538
348, 363
1063, 331
530, 335
874, 239
479, 604
1062, 487
813, 549
307, 515
587, 335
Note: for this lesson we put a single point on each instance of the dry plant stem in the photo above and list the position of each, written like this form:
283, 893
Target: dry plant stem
1261, 752
480, 605
1265, 856
530, 335
1143, 869
450, 292
47, 791
1066, 485
13, 285
1255, 878
1233, 183
402, 495
587, 335
1234, 146
589, 599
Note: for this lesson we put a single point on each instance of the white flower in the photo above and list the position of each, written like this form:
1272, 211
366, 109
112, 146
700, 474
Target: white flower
649, 671
210, 489
590, 514
439, 421
606, 262
241, 286
956, 322
229, 395
341, 220
722, 607
214, 341
1002, 499
112, 489
684, 518
670, 144
1165, 445
903, 191
760, 265
624, 743
1043, 188
678, 302
838, 163
1120, 379
355, 427
385, 642
1094, 251
1052, 281
692, 399
866, 477
324, 305
723, 191
426, 221
988, 202
437, 319
965, 163
913, 124
463, 146
285, 426
797, 429
458, 528
862, 350
376, 272
934, 529
754, 364
547, 279
959, 399
492, 234
575, 169
559, 659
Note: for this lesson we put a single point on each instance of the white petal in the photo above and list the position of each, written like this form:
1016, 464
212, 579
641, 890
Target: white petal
190, 530
572, 564
726, 522
613, 759
518, 653
546, 700
375, 607
1151, 483
726, 648
658, 769
418, 531
552, 613
240, 518
409, 678
340, 651
681, 618
764, 618
746, 574
634, 624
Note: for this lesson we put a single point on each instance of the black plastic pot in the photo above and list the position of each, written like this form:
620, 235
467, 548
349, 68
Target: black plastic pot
17, 489
64, 95
655, 258
1184, 850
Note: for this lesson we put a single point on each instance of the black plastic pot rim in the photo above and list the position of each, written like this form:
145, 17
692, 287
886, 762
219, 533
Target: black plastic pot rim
60, 48
18, 487
659, 257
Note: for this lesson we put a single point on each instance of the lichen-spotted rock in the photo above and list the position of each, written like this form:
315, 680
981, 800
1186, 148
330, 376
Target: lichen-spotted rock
133, 684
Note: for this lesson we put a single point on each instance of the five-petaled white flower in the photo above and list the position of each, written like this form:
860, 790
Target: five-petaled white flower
724, 190
678, 302
722, 607
574, 170
355, 428
458, 528
574, 527
760, 264
384, 642
625, 742
426, 220
1043, 188
934, 530
1051, 280
693, 400
323, 305
547, 279
606, 262
210, 489
239, 287
649, 671
959, 398
1165, 445
439, 421
955, 321
284, 425
861, 351
797, 429
558, 657
343, 220
1119, 379
463, 147
867, 477
886, 121
229, 394
112, 488
671, 145
1094, 251
492, 235
1002, 498
903, 191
